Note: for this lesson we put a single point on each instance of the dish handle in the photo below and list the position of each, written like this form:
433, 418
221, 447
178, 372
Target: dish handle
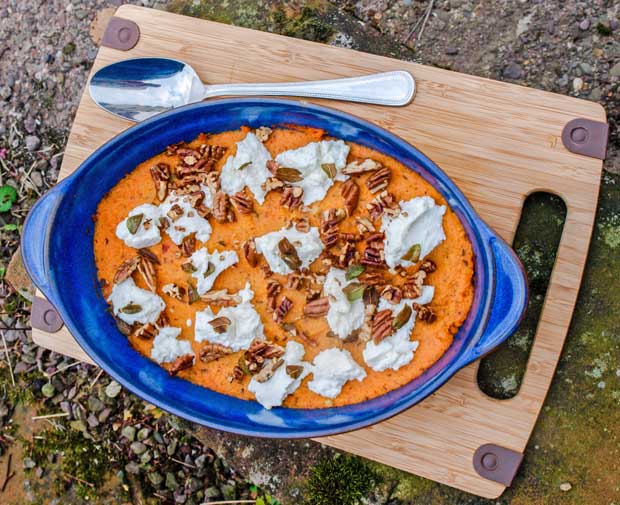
35, 237
510, 297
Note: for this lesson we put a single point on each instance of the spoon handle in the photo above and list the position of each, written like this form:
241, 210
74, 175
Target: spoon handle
388, 88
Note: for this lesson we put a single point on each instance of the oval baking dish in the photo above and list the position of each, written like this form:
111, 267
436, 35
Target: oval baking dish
57, 246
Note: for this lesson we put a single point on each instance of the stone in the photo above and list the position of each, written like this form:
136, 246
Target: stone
586, 68
513, 71
595, 94
577, 84
33, 143
615, 70
17, 276
452, 50
113, 389
584, 25
566, 486
137, 448
129, 432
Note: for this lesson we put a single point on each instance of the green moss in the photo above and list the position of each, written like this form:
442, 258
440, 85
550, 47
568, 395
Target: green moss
307, 24
604, 29
343, 480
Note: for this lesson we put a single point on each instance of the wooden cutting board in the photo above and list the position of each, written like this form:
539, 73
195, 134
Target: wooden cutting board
499, 142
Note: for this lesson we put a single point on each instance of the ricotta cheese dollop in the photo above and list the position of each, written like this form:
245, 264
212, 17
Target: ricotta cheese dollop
308, 160
332, 369
167, 347
147, 232
210, 266
189, 222
245, 324
248, 167
344, 316
419, 223
272, 393
396, 350
308, 246
133, 304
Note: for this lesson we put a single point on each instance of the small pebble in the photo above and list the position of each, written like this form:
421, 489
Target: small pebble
33, 143
566, 486
113, 389
584, 25
129, 432
577, 84
137, 447
513, 71
48, 390
29, 462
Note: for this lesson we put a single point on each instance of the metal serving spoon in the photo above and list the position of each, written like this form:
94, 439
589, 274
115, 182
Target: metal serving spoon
139, 88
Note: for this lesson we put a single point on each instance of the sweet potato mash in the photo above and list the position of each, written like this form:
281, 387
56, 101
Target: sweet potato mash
352, 240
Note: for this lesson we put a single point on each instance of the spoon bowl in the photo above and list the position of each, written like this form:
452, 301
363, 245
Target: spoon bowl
138, 88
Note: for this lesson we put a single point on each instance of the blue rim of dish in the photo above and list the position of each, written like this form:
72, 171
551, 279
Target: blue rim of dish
493, 316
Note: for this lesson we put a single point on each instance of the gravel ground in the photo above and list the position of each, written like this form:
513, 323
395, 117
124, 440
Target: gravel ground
106, 446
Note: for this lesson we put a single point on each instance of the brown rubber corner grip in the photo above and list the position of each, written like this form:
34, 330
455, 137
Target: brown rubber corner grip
121, 34
587, 137
44, 316
497, 463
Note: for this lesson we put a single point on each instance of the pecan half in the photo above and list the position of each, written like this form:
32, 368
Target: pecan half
237, 374
348, 255
282, 310
382, 325
212, 181
147, 331
222, 210
364, 225
350, 191
220, 324
383, 203
181, 363
262, 133
221, 298
379, 180
349, 237
273, 290
372, 278
330, 220
242, 202
175, 212
147, 271
268, 370
173, 148
126, 269
412, 288
292, 197
392, 294
212, 352
161, 175
356, 167
424, 313
149, 255
317, 308
195, 198
428, 266
272, 184
188, 245
373, 257
173, 291
250, 252
288, 253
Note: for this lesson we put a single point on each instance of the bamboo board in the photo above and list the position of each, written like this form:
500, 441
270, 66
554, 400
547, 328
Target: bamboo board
499, 142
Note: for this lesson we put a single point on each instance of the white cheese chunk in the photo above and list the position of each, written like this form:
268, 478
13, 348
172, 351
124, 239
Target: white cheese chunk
308, 160
167, 347
220, 261
147, 233
127, 293
308, 246
272, 393
343, 316
190, 222
332, 369
419, 222
245, 324
248, 167
396, 350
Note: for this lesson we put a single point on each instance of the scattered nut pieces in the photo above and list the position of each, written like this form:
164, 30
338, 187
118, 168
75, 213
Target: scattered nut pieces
221, 298
356, 167
424, 313
282, 309
212, 352
181, 363
188, 245
379, 180
126, 269
222, 210
383, 203
251, 254
147, 331
173, 291
364, 225
161, 175
392, 294
317, 308
382, 325
262, 133
292, 197
243, 202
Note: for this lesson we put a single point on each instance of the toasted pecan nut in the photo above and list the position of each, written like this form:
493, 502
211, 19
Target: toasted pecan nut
282, 309
317, 308
126, 269
364, 225
195, 198
382, 325
149, 255
242, 202
428, 266
379, 180
273, 290
262, 133
221, 298
173, 148
272, 166
373, 257
212, 352
383, 203
301, 224
250, 253
174, 291
424, 313
292, 197
357, 167
268, 370
222, 210
147, 271
181, 363
392, 294
412, 288
125, 328
147, 331
348, 255
188, 245
273, 184
350, 192
161, 175
175, 212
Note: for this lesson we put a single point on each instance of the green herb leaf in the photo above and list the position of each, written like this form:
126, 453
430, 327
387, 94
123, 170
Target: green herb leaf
133, 223
288, 174
8, 196
402, 317
413, 254
131, 308
245, 165
329, 169
354, 271
192, 294
354, 291
243, 364
210, 269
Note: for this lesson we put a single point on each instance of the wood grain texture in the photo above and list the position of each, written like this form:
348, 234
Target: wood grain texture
499, 142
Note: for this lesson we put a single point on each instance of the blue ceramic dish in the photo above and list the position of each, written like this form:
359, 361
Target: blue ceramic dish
57, 247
